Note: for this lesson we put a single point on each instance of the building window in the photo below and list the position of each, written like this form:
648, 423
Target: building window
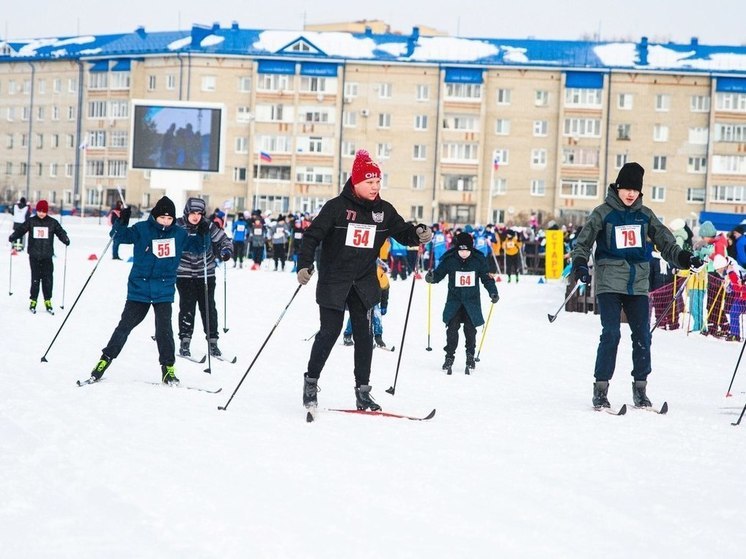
244, 84
700, 103
152, 83
696, 165
461, 122
582, 127
383, 151
538, 187
541, 98
348, 149
170, 82
578, 188
460, 152
733, 102
729, 193
239, 174
581, 97
623, 132
539, 157
699, 135
464, 91
695, 195
730, 132
541, 128
502, 156
418, 182
503, 96
349, 119
659, 163
97, 109
310, 84
351, 90
384, 90
120, 80
499, 186
502, 127
209, 83
658, 193
384, 120
242, 145
97, 139
660, 133
243, 114
624, 101
417, 212
420, 122
620, 159
422, 92
118, 139
419, 152
98, 80
662, 102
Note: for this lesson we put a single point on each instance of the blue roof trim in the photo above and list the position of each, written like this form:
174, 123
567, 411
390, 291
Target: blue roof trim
276, 67
722, 221
725, 85
464, 75
318, 69
122, 65
99, 66
584, 80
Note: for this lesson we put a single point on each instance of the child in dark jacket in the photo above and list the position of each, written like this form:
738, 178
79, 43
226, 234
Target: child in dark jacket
42, 230
158, 244
464, 266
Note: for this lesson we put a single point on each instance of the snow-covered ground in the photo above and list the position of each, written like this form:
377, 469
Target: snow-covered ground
514, 464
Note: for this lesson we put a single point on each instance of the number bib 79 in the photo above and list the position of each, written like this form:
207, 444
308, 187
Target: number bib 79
465, 279
360, 235
628, 236
41, 233
164, 248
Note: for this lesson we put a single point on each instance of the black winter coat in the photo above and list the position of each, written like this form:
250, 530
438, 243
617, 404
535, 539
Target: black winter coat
41, 236
463, 283
351, 231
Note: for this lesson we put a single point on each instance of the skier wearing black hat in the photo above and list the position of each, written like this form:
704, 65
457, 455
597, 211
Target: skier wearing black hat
465, 267
158, 245
621, 229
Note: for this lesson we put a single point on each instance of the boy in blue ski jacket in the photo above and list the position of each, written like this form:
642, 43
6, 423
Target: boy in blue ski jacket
158, 244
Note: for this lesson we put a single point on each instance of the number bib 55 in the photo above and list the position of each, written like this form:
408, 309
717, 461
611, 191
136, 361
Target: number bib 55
164, 248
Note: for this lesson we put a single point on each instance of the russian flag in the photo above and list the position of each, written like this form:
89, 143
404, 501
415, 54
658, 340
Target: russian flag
496, 163
264, 156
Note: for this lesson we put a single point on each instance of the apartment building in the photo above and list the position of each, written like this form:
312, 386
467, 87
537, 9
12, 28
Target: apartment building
466, 130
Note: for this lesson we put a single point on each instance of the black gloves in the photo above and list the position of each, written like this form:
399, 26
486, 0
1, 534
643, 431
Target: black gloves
580, 270
430, 277
424, 233
10, 239
225, 254
124, 216
304, 275
66, 241
688, 260
495, 297
384, 310
203, 228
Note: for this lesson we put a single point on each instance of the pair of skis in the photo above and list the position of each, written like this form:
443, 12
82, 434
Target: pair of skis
179, 385
223, 358
311, 414
623, 410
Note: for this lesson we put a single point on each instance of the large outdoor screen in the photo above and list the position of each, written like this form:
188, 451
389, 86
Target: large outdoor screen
173, 137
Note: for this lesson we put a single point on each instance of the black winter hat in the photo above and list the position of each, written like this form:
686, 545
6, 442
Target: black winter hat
195, 205
630, 177
464, 241
164, 206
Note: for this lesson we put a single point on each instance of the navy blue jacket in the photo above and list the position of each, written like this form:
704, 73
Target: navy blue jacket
156, 256
463, 283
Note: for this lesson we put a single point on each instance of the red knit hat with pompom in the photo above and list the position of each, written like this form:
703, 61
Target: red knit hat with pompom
42, 206
364, 168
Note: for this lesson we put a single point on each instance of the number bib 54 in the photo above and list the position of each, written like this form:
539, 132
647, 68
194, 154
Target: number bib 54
628, 236
164, 248
360, 235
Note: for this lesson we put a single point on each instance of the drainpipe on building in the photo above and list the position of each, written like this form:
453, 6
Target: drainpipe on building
78, 135
434, 203
30, 130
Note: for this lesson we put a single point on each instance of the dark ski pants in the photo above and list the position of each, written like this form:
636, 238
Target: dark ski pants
239, 252
21, 243
279, 254
513, 264
133, 314
470, 333
331, 326
191, 295
637, 308
42, 270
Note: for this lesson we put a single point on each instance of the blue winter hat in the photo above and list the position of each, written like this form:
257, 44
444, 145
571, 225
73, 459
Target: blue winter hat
707, 229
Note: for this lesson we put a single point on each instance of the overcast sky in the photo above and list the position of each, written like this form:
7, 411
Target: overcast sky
662, 20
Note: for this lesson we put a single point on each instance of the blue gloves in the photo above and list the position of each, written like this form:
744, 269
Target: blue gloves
225, 254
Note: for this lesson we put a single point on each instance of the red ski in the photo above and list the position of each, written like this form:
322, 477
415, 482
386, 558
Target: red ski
385, 414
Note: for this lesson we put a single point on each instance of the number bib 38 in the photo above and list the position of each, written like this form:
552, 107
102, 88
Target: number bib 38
164, 248
628, 236
360, 235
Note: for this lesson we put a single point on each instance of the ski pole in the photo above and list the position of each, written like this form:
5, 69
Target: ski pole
553, 317
225, 298
64, 279
224, 407
429, 299
727, 393
392, 389
740, 417
207, 312
10, 272
678, 293
484, 330
44, 357
312, 336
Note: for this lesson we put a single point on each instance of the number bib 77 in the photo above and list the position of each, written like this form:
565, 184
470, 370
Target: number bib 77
628, 236
465, 279
360, 235
164, 248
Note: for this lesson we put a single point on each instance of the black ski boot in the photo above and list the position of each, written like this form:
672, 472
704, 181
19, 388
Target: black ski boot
448, 364
168, 375
379, 340
214, 350
639, 398
364, 399
471, 364
347, 340
184, 347
310, 389
101, 366
600, 391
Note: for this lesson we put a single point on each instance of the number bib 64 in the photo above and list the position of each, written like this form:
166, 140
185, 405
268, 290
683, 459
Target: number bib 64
628, 236
164, 248
360, 235
465, 279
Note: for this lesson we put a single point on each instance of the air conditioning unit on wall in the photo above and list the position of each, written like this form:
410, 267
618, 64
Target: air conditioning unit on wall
365, 112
